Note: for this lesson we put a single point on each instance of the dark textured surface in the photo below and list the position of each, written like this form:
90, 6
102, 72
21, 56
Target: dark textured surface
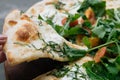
5, 7
28, 71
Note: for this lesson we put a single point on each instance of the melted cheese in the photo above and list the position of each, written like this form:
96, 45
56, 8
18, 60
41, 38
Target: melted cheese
59, 16
109, 4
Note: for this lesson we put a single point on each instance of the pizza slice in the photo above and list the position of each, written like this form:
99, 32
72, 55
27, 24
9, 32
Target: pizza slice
28, 40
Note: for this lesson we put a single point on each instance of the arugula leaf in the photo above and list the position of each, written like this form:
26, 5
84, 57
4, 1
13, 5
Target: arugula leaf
58, 28
113, 14
66, 27
86, 41
110, 65
117, 62
48, 21
75, 30
110, 13
95, 71
72, 53
113, 50
87, 24
99, 31
107, 30
98, 7
112, 34
66, 30
75, 17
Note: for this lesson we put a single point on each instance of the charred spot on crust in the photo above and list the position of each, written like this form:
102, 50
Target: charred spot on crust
23, 34
25, 17
26, 32
12, 23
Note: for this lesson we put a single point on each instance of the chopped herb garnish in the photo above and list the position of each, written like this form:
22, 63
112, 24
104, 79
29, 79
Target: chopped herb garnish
21, 12
77, 73
40, 17
22, 44
59, 5
74, 72
72, 53
60, 72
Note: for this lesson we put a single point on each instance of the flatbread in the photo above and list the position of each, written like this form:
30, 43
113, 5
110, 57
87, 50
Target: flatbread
22, 30
28, 36
110, 4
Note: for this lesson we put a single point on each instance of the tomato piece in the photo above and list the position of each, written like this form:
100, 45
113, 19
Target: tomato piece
90, 15
100, 53
64, 21
74, 23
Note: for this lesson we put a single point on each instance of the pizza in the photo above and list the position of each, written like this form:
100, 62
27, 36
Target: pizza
30, 38
101, 21
85, 33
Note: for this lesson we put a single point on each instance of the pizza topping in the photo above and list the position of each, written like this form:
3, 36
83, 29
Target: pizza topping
61, 21
62, 50
74, 23
74, 72
100, 53
59, 5
98, 6
22, 44
90, 15
60, 72
71, 24
64, 21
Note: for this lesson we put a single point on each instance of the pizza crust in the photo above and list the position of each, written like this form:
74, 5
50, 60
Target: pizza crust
11, 20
